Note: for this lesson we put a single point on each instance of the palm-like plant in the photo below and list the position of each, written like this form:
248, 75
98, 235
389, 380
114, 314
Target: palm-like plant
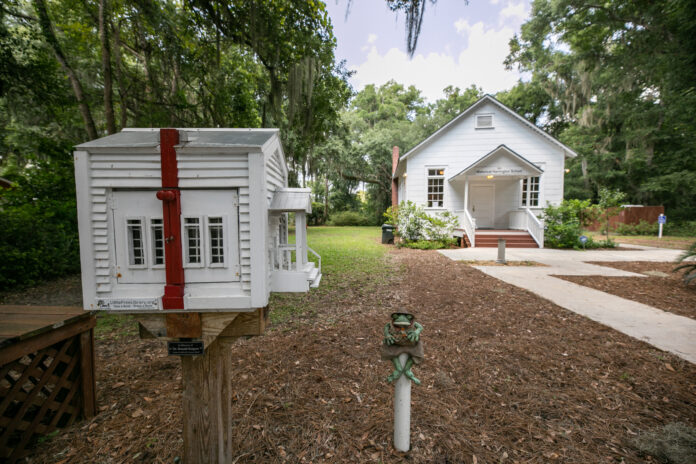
688, 266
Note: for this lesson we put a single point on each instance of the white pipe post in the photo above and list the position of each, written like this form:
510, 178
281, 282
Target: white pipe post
501, 251
402, 410
659, 234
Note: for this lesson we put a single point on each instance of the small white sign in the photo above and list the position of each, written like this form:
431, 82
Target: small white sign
499, 171
114, 304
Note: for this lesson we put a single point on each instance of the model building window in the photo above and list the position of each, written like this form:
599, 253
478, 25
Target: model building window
157, 234
136, 246
192, 240
436, 188
217, 244
530, 192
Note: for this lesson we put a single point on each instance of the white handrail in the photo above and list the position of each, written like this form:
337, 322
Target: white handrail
469, 225
318, 258
535, 228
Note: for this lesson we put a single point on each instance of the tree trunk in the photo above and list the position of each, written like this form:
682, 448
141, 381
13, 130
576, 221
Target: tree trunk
50, 37
119, 75
326, 198
106, 68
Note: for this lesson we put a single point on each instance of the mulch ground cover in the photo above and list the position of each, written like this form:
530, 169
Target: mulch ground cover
507, 377
661, 288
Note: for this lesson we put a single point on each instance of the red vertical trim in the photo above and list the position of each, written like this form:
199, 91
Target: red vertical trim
171, 212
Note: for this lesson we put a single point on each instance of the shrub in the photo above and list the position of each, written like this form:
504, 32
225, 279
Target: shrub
563, 224
349, 218
316, 217
642, 228
429, 244
414, 224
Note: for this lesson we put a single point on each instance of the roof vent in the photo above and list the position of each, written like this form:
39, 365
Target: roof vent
484, 121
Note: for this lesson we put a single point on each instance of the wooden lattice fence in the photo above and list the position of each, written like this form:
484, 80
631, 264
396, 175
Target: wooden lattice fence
46, 382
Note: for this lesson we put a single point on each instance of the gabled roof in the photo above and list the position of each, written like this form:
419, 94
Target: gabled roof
482, 101
291, 200
499, 149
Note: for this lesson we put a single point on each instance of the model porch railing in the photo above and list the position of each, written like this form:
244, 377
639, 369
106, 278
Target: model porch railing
467, 223
284, 258
535, 228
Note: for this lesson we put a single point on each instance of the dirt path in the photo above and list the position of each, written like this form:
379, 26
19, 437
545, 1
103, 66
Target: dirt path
507, 377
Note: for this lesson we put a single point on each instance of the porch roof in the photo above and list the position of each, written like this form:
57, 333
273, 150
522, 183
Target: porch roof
291, 200
516, 165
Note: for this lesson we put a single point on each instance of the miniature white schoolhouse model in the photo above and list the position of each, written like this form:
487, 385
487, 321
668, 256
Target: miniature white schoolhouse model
189, 220
492, 168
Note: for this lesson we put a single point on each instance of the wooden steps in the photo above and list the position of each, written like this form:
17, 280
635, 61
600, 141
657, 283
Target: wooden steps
513, 239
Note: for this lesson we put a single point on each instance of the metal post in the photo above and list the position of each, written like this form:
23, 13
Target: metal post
402, 410
501, 251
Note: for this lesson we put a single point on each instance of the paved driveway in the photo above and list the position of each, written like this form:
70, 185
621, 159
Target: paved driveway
664, 330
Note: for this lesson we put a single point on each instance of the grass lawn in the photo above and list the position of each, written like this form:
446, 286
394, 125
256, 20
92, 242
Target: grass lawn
352, 260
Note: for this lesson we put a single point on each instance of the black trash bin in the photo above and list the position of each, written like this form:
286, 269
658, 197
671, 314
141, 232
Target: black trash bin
387, 233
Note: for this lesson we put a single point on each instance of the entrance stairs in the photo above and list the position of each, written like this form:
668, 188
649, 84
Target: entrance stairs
488, 238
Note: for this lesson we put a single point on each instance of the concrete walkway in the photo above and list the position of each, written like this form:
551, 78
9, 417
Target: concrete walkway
664, 330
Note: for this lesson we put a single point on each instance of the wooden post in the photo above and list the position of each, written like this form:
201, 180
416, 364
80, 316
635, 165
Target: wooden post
207, 399
89, 384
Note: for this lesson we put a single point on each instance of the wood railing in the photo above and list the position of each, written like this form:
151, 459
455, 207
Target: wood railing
535, 228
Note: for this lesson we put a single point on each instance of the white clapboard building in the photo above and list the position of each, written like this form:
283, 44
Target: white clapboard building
189, 219
492, 168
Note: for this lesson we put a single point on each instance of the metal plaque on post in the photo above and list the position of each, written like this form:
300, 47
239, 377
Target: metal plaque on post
185, 348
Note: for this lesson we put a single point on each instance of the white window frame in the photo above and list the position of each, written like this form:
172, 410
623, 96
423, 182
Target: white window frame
151, 228
480, 115
428, 176
143, 240
525, 202
185, 246
209, 242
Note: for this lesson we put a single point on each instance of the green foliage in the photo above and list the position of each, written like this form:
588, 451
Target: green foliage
688, 266
429, 244
563, 223
349, 218
39, 238
642, 228
316, 217
414, 224
609, 204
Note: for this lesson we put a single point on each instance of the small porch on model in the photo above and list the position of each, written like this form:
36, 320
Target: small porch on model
292, 271
494, 199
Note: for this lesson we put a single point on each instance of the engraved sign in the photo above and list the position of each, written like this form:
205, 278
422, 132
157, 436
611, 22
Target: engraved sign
116, 304
499, 171
189, 348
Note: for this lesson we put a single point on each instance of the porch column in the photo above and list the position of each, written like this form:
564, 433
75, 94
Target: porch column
300, 240
466, 193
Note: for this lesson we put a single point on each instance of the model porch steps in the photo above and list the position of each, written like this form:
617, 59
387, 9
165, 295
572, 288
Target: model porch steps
313, 274
513, 239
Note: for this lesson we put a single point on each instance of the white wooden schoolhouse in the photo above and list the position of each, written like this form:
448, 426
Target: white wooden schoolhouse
189, 220
492, 168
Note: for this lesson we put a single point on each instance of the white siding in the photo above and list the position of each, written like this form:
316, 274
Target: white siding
463, 144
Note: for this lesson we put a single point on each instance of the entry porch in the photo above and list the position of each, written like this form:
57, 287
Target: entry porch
497, 197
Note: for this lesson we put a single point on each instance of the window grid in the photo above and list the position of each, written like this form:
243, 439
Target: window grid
436, 188
530, 191
157, 231
136, 248
217, 244
192, 237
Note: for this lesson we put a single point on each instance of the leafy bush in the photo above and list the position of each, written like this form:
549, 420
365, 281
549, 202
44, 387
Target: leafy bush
38, 220
680, 229
429, 244
349, 218
414, 224
563, 223
688, 266
642, 228
316, 217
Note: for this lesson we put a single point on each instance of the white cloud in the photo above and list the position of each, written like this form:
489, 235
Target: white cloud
517, 12
480, 63
372, 38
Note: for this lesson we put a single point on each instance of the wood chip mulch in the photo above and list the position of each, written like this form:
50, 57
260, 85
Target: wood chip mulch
507, 377
660, 288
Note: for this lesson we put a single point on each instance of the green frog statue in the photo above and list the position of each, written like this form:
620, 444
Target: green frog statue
402, 335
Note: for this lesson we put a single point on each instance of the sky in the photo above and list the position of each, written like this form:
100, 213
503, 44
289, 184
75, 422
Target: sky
460, 44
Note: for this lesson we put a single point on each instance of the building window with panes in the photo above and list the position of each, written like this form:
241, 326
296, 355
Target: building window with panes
436, 188
530, 192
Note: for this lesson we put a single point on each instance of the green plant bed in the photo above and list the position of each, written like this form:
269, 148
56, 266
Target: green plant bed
427, 244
